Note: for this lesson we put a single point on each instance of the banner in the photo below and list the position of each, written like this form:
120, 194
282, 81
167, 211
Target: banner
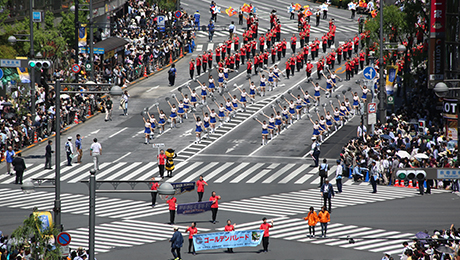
230, 11
182, 187
46, 220
231, 239
392, 71
24, 75
193, 208
437, 46
82, 36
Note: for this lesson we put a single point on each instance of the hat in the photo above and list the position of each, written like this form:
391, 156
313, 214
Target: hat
69, 138
176, 228
339, 161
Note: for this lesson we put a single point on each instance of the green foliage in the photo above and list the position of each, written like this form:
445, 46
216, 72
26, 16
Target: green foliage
394, 24
39, 242
168, 5
67, 25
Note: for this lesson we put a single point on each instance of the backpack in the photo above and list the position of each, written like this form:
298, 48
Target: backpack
323, 171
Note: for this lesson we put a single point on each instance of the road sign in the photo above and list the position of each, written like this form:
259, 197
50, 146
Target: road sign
76, 68
369, 73
88, 67
158, 145
11, 63
161, 21
1, 73
65, 250
372, 108
390, 100
63, 238
178, 14
37, 17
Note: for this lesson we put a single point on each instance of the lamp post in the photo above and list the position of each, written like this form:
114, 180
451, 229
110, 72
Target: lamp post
382, 101
77, 32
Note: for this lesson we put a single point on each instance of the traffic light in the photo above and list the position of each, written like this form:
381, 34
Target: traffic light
411, 174
421, 126
40, 64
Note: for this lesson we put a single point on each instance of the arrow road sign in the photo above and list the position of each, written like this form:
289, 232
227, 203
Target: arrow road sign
369, 73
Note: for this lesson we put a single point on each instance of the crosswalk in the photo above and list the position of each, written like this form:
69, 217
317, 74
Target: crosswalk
124, 234
299, 202
78, 204
365, 238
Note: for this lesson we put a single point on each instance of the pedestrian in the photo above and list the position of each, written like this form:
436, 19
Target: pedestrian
327, 192
312, 219
48, 152
19, 167
196, 23
95, 150
323, 172
374, 176
338, 176
155, 186
9, 159
215, 206
108, 109
231, 29
228, 228
69, 150
210, 30
200, 188
172, 202
265, 239
78, 147
124, 102
315, 150
161, 162
176, 243
324, 218
192, 230
172, 74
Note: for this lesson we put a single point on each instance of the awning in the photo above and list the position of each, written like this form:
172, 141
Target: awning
113, 44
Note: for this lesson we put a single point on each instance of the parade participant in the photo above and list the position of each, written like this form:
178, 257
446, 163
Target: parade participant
173, 114
262, 84
192, 230
212, 119
271, 123
276, 73
193, 97
320, 67
343, 111
221, 114
198, 129
198, 65
215, 206
288, 67
312, 219
236, 42
306, 99
249, 67
235, 102
243, 98
265, 128
228, 109
172, 202
265, 239
162, 119
153, 124
228, 228
192, 68
337, 118
186, 102
292, 64
322, 125
200, 183
206, 123
170, 155
327, 192
356, 43
147, 130
226, 71
339, 54
203, 90
356, 103
309, 69
293, 43
210, 59
324, 42
365, 92
155, 186
291, 110
180, 109
316, 127
204, 61
334, 76
317, 94
324, 218
328, 120
278, 120
271, 79
285, 114
347, 105
298, 107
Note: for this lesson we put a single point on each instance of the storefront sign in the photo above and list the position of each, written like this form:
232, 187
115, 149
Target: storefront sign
450, 109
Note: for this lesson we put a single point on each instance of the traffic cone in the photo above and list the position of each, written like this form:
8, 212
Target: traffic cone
181, 54
416, 184
35, 137
396, 183
75, 120
145, 72
410, 184
89, 110
170, 58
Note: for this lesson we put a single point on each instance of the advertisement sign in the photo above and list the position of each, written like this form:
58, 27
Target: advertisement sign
46, 220
438, 18
437, 45
452, 132
182, 187
391, 76
193, 208
448, 173
231, 239
449, 108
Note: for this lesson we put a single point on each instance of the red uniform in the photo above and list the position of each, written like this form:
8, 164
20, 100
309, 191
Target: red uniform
200, 186
215, 200
172, 203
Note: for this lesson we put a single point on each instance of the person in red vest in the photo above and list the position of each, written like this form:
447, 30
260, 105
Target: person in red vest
356, 62
352, 66
348, 70
320, 67
253, 47
279, 50
278, 30
217, 54
232, 62
200, 183
284, 45
229, 46
237, 60
324, 42
305, 53
249, 67
256, 63
332, 58
293, 42
356, 42
261, 43
236, 42
345, 51
299, 60
161, 163
265, 240
242, 54
292, 64
313, 50
309, 68
198, 65
223, 51
215, 206
350, 48
339, 54
205, 61
265, 54
302, 38
210, 59
268, 39
361, 59
248, 50
192, 230
155, 186
228, 228
288, 67
172, 202
273, 54
192, 68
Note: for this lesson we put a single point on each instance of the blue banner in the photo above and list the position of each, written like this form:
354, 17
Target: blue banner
231, 239
182, 187
193, 208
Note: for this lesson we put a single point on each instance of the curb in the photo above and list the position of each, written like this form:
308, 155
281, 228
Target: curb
131, 84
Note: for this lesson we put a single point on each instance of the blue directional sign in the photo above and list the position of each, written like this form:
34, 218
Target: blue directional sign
369, 73
1, 73
37, 17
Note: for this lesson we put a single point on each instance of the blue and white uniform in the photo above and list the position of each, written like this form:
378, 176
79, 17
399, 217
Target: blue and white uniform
355, 101
173, 112
221, 111
153, 122
365, 91
271, 122
316, 129
198, 128
212, 117
292, 108
333, 76
228, 106
147, 128
211, 84
235, 103
262, 82
186, 103
243, 97
285, 113
226, 73
181, 110
329, 83
193, 97
203, 90
336, 115
221, 77
162, 119
264, 129
317, 89
299, 104
343, 110
278, 120
270, 76
306, 98
322, 124
347, 105
328, 120
206, 121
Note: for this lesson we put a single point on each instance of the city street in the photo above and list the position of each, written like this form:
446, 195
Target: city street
276, 180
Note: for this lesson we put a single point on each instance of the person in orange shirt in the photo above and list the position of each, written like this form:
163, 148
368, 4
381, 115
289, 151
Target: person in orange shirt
324, 218
312, 219
172, 202
192, 230
215, 206
265, 226
228, 228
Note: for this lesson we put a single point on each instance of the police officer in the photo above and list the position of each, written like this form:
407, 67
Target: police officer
315, 147
374, 176
196, 17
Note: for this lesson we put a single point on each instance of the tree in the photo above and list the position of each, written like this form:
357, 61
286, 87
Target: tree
67, 25
394, 24
41, 241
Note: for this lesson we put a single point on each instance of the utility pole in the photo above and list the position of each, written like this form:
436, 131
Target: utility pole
77, 32
382, 101
32, 56
91, 53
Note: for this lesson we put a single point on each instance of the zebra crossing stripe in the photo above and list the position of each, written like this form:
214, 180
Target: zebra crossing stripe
246, 173
231, 172
125, 170
184, 172
101, 174
196, 174
138, 171
217, 171
78, 171
294, 173
274, 176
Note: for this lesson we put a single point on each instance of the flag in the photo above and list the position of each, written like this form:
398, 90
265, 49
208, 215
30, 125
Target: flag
392, 71
230, 11
350, 5
297, 6
82, 36
246, 8
216, 9
374, 13
24, 75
